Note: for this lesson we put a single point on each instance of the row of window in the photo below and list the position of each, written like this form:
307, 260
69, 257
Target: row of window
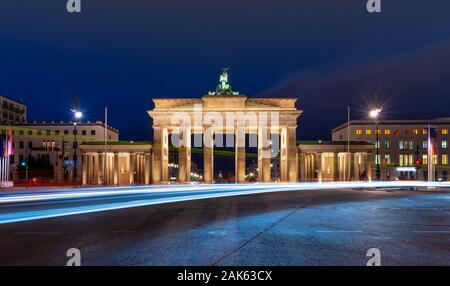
409, 145
49, 132
424, 131
408, 160
21, 158
47, 144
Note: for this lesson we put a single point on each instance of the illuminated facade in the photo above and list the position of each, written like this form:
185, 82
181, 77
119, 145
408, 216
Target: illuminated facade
210, 121
402, 144
205, 117
325, 161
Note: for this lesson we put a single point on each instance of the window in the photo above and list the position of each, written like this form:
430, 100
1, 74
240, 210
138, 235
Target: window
424, 131
30, 132
406, 132
368, 132
444, 144
49, 132
30, 144
387, 144
406, 145
377, 144
21, 132
444, 131
387, 131
435, 159
387, 157
405, 160
39, 133
445, 159
377, 159
21, 145
378, 131
425, 144
83, 132
66, 132
415, 131
396, 132
358, 132
56, 132
93, 133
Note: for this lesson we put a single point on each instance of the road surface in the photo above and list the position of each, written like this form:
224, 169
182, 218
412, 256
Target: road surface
304, 227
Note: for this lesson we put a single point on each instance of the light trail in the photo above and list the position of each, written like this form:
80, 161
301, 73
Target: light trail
105, 199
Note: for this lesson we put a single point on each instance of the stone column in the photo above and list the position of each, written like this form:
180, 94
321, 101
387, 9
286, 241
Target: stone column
96, 170
208, 156
84, 175
184, 156
264, 155
90, 173
102, 168
307, 167
148, 162
132, 161
240, 154
109, 170
140, 170
292, 154
369, 165
160, 155
302, 166
318, 166
335, 167
351, 167
116, 169
284, 166
345, 166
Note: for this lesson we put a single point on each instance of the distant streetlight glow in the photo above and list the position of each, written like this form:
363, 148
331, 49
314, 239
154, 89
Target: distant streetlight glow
78, 114
374, 113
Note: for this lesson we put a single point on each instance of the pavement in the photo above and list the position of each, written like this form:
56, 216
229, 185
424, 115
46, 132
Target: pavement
305, 227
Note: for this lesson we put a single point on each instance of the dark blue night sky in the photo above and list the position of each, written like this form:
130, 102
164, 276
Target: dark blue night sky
327, 53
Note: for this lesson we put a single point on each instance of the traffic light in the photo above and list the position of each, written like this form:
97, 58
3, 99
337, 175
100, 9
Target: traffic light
418, 164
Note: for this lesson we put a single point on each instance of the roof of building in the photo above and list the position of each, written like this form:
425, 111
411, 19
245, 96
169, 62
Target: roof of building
63, 123
424, 122
338, 143
12, 99
120, 142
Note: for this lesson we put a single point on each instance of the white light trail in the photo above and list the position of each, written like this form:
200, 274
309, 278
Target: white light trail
185, 193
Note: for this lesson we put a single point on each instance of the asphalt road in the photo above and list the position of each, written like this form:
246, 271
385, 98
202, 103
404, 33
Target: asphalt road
309, 227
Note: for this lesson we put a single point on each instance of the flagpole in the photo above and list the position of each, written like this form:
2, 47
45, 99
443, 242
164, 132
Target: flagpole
106, 147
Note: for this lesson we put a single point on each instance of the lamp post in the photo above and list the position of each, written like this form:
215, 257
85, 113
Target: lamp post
375, 113
78, 115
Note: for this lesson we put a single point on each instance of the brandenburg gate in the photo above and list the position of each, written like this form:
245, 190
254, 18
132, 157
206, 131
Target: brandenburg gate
269, 122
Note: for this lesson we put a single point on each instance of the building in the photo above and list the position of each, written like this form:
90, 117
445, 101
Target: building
47, 151
279, 156
206, 117
6, 150
402, 144
119, 163
326, 161
12, 111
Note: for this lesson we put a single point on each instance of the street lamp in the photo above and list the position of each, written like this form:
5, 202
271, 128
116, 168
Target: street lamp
375, 113
78, 115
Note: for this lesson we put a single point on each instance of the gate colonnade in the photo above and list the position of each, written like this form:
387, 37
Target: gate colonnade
225, 114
